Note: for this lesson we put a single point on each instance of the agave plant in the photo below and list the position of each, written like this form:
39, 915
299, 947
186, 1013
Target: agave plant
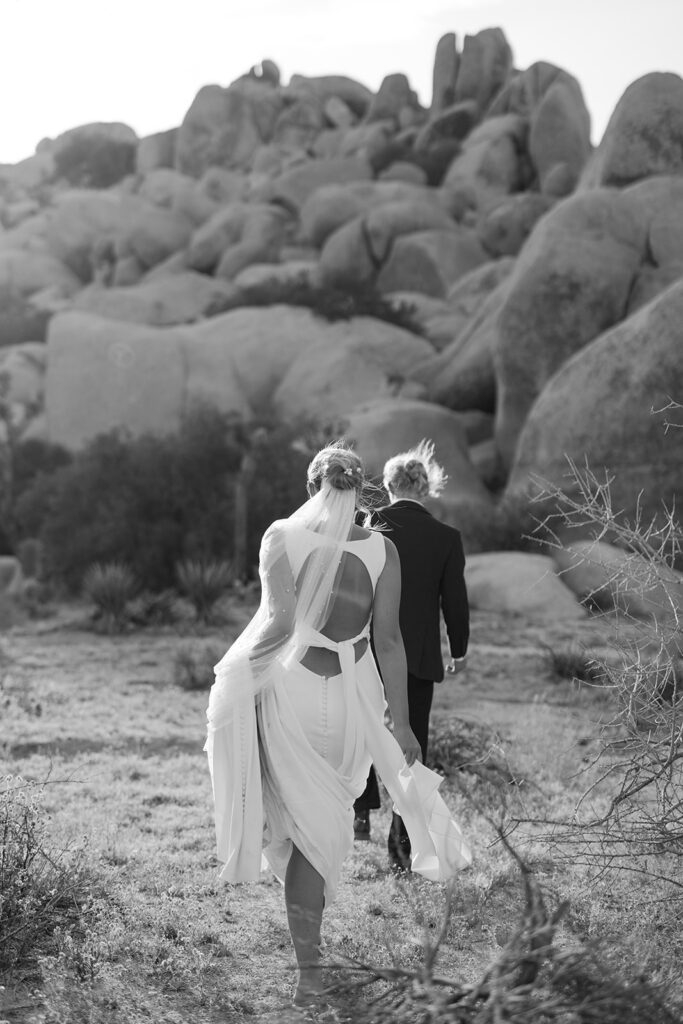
111, 586
204, 583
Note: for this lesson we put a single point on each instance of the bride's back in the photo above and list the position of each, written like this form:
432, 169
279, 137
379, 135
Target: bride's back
350, 604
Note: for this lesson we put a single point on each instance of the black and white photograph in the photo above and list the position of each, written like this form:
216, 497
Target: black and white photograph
341, 477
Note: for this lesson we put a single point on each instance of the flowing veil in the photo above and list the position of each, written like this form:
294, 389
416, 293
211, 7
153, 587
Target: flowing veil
273, 633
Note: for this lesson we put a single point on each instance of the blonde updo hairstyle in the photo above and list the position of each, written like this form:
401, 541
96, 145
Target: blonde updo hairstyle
339, 466
415, 473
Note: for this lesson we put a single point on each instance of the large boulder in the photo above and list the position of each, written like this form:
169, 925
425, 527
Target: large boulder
81, 220
95, 155
644, 135
236, 361
524, 91
345, 363
462, 376
601, 406
155, 151
517, 583
332, 206
485, 63
224, 127
150, 233
559, 137
23, 272
90, 227
380, 429
295, 186
105, 374
354, 253
504, 229
571, 282
357, 97
612, 579
264, 231
658, 202
175, 299
299, 123
448, 318
431, 261
236, 236
392, 97
445, 73
489, 166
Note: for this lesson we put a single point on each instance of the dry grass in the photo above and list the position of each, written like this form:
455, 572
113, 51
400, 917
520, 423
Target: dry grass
161, 939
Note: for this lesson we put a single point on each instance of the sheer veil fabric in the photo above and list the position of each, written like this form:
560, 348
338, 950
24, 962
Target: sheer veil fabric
271, 787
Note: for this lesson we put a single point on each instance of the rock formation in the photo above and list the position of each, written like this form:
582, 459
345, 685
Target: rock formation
531, 283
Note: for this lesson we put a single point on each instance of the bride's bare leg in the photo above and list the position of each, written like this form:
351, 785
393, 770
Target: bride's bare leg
304, 898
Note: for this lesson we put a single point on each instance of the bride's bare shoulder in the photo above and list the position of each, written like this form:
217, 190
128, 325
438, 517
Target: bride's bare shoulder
360, 533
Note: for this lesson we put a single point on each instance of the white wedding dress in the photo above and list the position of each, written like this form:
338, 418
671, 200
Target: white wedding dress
290, 748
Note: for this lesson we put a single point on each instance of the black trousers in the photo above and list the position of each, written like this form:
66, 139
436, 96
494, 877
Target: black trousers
420, 695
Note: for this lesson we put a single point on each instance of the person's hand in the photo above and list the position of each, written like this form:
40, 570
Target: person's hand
456, 666
407, 741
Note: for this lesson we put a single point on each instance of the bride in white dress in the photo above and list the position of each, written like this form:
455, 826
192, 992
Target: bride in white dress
296, 714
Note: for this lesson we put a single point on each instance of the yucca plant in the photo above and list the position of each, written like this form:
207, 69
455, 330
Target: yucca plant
110, 586
204, 583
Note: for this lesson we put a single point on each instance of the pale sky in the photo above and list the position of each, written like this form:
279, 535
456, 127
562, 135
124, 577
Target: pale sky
69, 62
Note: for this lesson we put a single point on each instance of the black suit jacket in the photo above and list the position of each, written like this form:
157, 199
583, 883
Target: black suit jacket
432, 581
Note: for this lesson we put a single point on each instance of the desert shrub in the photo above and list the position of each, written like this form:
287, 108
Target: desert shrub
19, 320
333, 303
571, 661
193, 666
33, 457
639, 760
146, 502
203, 584
151, 502
531, 979
154, 609
459, 746
111, 587
41, 888
88, 161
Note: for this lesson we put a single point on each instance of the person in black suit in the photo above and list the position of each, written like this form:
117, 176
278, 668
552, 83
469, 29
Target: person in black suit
432, 583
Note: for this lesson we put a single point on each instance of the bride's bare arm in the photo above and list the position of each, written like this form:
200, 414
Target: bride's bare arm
390, 653
278, 604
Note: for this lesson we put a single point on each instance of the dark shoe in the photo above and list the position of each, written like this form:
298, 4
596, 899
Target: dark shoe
399, 860
398, 847
361, 826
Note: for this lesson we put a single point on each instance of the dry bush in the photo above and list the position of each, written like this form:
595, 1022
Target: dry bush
155, 609
532, 980
572, 661
640, 758
463, 747
41, 889
193, 666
